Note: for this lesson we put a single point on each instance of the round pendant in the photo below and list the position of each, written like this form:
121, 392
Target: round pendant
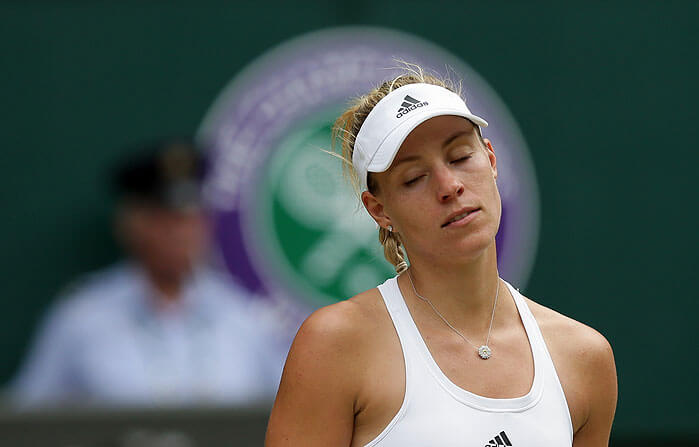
485, 352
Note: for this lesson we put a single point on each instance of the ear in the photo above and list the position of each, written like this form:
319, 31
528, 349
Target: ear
375, 208
490, 150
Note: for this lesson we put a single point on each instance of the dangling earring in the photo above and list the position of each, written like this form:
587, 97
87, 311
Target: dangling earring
390, 228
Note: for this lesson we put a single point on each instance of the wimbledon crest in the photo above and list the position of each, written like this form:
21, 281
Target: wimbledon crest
288, 223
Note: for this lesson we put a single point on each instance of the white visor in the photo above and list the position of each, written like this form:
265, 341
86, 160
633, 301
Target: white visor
394, 117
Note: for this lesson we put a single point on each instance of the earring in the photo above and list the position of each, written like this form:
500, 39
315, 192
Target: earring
390, 228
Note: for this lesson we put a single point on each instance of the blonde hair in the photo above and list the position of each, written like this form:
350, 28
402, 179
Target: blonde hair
345, 132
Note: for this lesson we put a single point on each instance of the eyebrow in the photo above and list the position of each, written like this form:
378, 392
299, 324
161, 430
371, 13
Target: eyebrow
446, 143
406, 159
454, 137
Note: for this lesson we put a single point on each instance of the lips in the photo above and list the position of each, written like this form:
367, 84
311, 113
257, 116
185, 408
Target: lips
459, 216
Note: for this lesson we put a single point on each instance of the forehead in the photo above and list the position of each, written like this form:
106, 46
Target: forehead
435, 132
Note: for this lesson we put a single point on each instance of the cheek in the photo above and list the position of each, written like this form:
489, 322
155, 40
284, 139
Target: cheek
488, 193
492, 203
413, 214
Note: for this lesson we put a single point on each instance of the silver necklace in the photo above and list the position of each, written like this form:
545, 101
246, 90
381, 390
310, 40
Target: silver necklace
484, 351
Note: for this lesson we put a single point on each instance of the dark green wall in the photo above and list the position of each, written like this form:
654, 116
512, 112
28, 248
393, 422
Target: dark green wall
605, 95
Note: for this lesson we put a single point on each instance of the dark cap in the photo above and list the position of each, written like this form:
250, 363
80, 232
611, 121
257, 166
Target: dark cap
165, 173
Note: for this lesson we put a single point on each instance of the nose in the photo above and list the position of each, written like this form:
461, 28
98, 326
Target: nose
449, 186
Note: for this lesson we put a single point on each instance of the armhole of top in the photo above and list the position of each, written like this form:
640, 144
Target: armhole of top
545, 346
392, 283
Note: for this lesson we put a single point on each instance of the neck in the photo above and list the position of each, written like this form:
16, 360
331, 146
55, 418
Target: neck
464, 293
167, 288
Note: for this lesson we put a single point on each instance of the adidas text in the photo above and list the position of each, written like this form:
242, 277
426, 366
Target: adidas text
409, 104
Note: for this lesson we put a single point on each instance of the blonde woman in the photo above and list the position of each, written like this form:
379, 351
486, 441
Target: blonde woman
446, 353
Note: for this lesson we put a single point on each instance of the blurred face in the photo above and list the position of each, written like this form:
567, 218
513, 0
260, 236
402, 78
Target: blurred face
167, 242
439, 193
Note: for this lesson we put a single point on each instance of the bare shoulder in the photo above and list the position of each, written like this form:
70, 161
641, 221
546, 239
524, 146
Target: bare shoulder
584, 362
342, 323
322, 377
334, 344
580, 342
338, 335
342, 334
324, 341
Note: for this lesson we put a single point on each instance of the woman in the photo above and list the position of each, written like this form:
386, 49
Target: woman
446, 353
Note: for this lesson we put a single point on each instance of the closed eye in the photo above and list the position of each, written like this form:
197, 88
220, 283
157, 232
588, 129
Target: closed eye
412, 182
459, 160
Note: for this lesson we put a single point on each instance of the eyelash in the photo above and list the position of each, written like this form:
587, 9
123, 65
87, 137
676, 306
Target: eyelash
458, 160
411, 182
461, 159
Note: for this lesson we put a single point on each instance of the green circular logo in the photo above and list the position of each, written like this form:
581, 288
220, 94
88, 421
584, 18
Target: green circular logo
313, 232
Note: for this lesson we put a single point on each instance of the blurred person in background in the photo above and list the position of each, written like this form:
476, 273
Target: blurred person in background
161, 327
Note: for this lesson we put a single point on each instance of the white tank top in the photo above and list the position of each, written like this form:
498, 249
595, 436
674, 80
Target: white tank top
436, 412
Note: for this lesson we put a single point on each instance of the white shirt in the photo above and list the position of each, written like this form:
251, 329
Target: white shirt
106, 343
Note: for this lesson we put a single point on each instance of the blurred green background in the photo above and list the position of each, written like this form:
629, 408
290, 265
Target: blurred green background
605, 94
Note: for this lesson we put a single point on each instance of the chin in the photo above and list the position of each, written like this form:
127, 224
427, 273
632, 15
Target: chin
469, 248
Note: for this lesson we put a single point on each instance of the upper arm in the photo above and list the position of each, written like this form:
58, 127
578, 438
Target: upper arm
599, 379
315, 401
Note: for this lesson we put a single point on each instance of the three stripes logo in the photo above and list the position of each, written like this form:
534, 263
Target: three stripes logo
498, 440
409, 104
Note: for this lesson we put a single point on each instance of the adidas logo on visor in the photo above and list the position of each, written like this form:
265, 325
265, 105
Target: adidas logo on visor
409, 104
